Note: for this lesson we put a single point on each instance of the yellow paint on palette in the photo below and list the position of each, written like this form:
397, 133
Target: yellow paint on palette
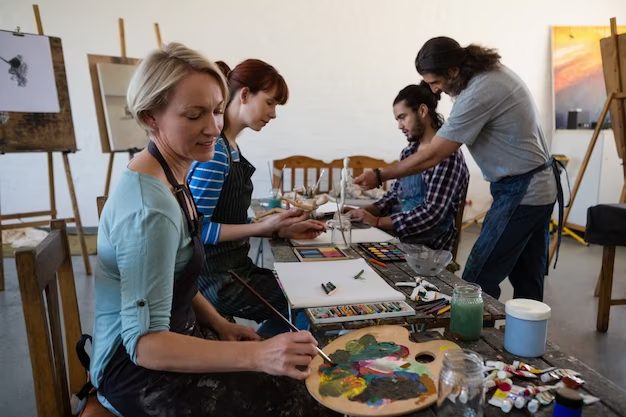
446, 347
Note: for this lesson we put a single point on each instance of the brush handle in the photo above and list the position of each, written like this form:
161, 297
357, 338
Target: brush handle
276, 312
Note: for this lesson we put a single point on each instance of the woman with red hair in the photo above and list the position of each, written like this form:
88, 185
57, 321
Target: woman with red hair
222, 189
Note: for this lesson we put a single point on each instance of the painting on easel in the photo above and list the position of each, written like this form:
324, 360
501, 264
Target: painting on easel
110, 77
27, 79
124, 132
579, 90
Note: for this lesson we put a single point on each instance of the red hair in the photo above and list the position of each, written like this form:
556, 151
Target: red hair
257, 76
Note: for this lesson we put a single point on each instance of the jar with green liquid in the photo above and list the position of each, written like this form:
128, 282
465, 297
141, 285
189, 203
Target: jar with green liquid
466, 313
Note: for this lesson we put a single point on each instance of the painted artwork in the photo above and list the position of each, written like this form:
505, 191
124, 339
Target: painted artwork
374, 373
27, 80
123, 131
579, 88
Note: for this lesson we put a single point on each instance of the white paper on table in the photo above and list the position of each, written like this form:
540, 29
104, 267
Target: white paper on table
330, 207
38, 94
371, 234
302, 283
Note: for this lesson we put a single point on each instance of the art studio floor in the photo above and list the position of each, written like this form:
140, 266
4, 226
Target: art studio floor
568, 290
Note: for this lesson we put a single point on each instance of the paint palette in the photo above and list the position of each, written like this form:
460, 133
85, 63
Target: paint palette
383, 251
321, 253
377, 372
352, 312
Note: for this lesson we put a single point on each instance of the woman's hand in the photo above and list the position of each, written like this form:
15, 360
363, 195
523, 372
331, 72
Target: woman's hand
360, 215
235, 332
309, 229
283, 354
285, 219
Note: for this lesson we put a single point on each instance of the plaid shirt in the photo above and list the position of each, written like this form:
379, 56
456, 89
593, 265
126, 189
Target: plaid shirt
444, 184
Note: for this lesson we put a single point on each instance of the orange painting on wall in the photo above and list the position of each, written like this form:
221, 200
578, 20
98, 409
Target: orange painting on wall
578, 78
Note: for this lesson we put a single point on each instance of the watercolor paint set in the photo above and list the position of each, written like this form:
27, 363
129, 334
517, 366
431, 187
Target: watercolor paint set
366, 311
321, 253
383, 251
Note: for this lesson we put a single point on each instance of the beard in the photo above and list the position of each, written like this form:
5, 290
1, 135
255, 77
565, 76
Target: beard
416, 132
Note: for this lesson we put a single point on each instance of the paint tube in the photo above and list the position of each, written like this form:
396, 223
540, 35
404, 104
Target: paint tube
495, 364
504, 374
530, 368
557, 374
492, 383
533, 406
500, 395
492, 375
463, 396
572, 382
507, 405
532, 390
519, 372
589, 399
545, 398
520, 402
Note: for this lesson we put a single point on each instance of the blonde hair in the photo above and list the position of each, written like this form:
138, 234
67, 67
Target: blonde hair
158, 74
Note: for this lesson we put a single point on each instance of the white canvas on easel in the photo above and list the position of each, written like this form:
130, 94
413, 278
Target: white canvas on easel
27, 80
123, 131
371, 234
302, 283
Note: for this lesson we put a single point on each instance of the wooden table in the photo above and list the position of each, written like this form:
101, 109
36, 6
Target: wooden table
490, 347
392, 273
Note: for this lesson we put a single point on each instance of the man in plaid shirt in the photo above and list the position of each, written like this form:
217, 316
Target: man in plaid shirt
421, 208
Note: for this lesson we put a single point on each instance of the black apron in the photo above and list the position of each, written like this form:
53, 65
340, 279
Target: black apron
123, 380
232, 208
507, 195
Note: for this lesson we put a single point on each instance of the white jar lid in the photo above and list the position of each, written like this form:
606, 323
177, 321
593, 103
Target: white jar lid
525, 309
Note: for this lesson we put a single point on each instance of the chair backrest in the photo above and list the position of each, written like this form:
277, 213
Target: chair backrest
100, 201
47, 269
459, 221
311, 170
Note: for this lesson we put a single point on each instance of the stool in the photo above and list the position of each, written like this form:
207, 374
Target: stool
606, 226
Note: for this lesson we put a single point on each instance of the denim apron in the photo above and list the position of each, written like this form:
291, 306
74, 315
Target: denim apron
507, 195
411, 194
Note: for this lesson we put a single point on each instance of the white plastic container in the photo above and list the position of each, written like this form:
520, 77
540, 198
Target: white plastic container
526, 330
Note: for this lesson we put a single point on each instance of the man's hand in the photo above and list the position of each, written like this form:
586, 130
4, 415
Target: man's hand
364, 216
235, 332
367, 180
309, 229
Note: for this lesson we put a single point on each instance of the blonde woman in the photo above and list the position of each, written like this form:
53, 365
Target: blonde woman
150, 356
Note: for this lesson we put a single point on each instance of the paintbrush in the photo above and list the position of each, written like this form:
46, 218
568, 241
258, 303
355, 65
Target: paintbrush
280, 184
317, 184
277, 313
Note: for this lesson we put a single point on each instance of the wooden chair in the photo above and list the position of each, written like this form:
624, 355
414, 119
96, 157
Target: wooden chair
47, 268
311, 169
100, 204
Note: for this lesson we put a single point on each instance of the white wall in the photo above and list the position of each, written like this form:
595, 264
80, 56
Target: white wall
344, 62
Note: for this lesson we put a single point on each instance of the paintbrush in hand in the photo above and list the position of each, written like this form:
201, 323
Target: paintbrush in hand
277, 314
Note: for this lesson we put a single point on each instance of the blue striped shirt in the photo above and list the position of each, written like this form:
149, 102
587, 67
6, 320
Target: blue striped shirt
206, 180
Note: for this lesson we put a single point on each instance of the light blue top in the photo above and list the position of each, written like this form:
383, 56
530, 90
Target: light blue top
143, 244
496, 117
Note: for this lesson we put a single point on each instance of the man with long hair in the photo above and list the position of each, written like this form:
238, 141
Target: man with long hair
495, 116
421, 208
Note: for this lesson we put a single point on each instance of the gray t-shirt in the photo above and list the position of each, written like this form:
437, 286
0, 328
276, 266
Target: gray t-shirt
496, 117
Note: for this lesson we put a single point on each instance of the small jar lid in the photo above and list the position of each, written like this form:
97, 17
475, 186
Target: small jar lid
569, 398
525, 309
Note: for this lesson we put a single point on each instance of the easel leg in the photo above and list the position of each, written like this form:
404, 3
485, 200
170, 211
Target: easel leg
53, 200
109, 173
77, 221
604, 302
1, 263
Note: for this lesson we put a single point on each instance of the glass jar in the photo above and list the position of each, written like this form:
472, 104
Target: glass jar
461, 392
341, 231
274, 199
466, 313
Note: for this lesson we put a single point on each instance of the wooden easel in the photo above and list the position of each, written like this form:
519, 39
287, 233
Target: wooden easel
61, 124
131, 152
613, 58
